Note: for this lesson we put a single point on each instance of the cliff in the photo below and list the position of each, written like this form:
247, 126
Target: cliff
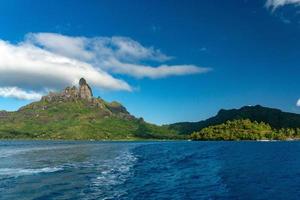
71, 93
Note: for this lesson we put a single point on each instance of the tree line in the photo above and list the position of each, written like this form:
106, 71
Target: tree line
245, 129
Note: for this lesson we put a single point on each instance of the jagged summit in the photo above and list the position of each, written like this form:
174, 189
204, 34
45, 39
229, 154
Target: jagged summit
74, 113
83, 94
85, 91
71, 93
82, 81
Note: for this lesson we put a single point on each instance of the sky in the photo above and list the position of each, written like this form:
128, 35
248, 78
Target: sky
165, 61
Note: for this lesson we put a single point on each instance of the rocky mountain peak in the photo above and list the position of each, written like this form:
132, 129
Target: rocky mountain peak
85, 91
82, 81
71, 93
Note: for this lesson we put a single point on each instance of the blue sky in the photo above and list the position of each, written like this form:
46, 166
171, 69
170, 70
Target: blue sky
166, 61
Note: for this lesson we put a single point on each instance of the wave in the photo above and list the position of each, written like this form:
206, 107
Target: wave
113, 173
15, 172
12, 152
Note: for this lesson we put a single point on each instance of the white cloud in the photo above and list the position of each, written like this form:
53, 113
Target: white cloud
120, 55
15, 92
53, 61
141, 71
67, 46
298, 103
25, 65
122, 48
274, 4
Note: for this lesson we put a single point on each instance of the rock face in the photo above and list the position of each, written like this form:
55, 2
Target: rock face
71, 93
85, 91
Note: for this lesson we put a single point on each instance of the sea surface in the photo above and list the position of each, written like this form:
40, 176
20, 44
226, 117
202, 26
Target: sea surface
149, 170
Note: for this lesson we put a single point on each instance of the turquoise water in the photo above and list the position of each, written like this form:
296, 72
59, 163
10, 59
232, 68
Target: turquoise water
149, 170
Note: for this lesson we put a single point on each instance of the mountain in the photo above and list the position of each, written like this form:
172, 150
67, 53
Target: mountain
75, 114
274, 117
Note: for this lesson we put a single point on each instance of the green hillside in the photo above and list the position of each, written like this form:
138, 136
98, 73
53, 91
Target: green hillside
75, 114
274, 117
76, 120
245, 130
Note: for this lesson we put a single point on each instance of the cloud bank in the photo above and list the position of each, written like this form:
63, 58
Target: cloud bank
15, 92
120, 55
50, 61
274, 4
298, 103
27, 66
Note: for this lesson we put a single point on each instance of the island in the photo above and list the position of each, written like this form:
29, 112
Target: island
75, 114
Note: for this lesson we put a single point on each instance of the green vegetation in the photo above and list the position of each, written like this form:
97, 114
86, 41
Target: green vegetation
276, 118
63, 117
245, 130
80, 120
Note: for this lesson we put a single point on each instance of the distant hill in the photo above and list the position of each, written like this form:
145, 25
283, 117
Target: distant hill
75, 114
274, 117
244, 129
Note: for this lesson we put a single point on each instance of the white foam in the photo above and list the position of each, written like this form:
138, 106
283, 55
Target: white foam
22, 171
112, 173
115, 171
11, 152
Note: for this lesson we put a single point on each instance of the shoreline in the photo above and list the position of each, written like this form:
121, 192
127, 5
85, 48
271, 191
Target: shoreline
143, 140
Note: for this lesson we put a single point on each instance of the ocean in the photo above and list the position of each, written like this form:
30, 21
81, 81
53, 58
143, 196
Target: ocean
42, 170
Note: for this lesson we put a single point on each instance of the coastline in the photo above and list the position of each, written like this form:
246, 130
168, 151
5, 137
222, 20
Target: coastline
143, 140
